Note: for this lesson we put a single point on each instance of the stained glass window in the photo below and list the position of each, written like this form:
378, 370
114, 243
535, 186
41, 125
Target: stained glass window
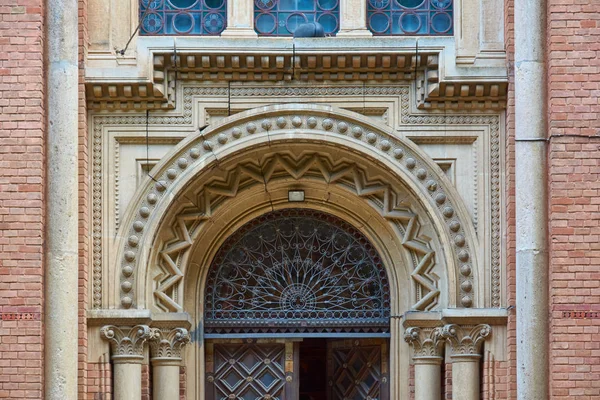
410, 17
282, 17
183, 17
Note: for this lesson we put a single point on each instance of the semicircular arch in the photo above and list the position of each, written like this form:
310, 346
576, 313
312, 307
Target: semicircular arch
293, 125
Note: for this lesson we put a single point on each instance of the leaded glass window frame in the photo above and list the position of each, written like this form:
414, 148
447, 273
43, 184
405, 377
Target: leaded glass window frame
297, 272
282, 17
410, 17
182, 17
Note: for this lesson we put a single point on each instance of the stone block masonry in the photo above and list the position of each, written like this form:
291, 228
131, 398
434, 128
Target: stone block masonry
22, 115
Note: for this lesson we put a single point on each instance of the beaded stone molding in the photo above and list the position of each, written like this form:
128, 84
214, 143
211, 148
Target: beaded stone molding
185, 117
282, 123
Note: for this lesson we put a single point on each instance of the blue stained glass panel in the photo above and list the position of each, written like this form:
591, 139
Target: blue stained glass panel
282, 17
183, 17
410, 17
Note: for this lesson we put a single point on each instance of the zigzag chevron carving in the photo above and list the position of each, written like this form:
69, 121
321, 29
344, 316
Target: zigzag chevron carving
189, 223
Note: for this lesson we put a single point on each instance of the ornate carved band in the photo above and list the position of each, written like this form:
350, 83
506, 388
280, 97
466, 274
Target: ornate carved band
127, 344
427, 343
466, 341
166, 345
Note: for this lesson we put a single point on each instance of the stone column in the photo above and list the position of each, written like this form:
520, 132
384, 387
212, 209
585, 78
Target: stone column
61, 284
465, 345
353, 19
531, 199
165, 349
428, 346
240, 19
127, 345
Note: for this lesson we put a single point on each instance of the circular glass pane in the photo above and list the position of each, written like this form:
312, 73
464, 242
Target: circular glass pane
265, 4
294, 21
410, 23
410, 3
441, 22
151, 4
214, 3
329, 22
327, 4
152, 23
379, 4
379, 22
214, 23
183, 3
183, 23
441, 4
265, 23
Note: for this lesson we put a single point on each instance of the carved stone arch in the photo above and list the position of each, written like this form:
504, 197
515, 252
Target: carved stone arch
344, 131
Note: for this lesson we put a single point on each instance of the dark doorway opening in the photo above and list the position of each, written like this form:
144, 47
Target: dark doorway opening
313, 369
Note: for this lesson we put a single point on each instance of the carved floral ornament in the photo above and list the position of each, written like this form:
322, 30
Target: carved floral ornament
127, 343
293, 123
464, 340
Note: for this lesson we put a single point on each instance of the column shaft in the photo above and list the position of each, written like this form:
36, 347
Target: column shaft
127, 380
465, 378
165, 380
61, 285
428, 379
531, 199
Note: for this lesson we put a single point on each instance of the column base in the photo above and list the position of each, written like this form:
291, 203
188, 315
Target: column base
239, 33
355, 33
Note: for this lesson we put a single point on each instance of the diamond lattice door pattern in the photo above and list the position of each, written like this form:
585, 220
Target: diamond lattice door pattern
248, 371
357, 369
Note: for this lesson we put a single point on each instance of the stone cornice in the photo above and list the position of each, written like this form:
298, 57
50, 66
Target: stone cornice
460, 316
138, 317
433, 91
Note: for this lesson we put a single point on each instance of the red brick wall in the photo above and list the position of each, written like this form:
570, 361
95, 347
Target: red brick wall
504, 384
575, 267
574, 198
84, 212
21, 196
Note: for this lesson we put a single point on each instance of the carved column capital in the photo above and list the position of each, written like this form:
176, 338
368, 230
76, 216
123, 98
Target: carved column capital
427, 343
466, 341
166, 345
127, 343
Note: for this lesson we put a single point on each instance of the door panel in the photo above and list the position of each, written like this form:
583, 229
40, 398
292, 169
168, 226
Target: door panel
357, 369
239, 370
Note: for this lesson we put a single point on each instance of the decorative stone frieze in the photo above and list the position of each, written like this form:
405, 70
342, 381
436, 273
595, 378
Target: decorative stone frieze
426, 342
167, 344
466, 341
127, 343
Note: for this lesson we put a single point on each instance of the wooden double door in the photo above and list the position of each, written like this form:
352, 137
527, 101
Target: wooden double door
297, 369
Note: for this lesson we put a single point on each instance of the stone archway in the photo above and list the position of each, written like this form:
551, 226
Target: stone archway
164, 200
